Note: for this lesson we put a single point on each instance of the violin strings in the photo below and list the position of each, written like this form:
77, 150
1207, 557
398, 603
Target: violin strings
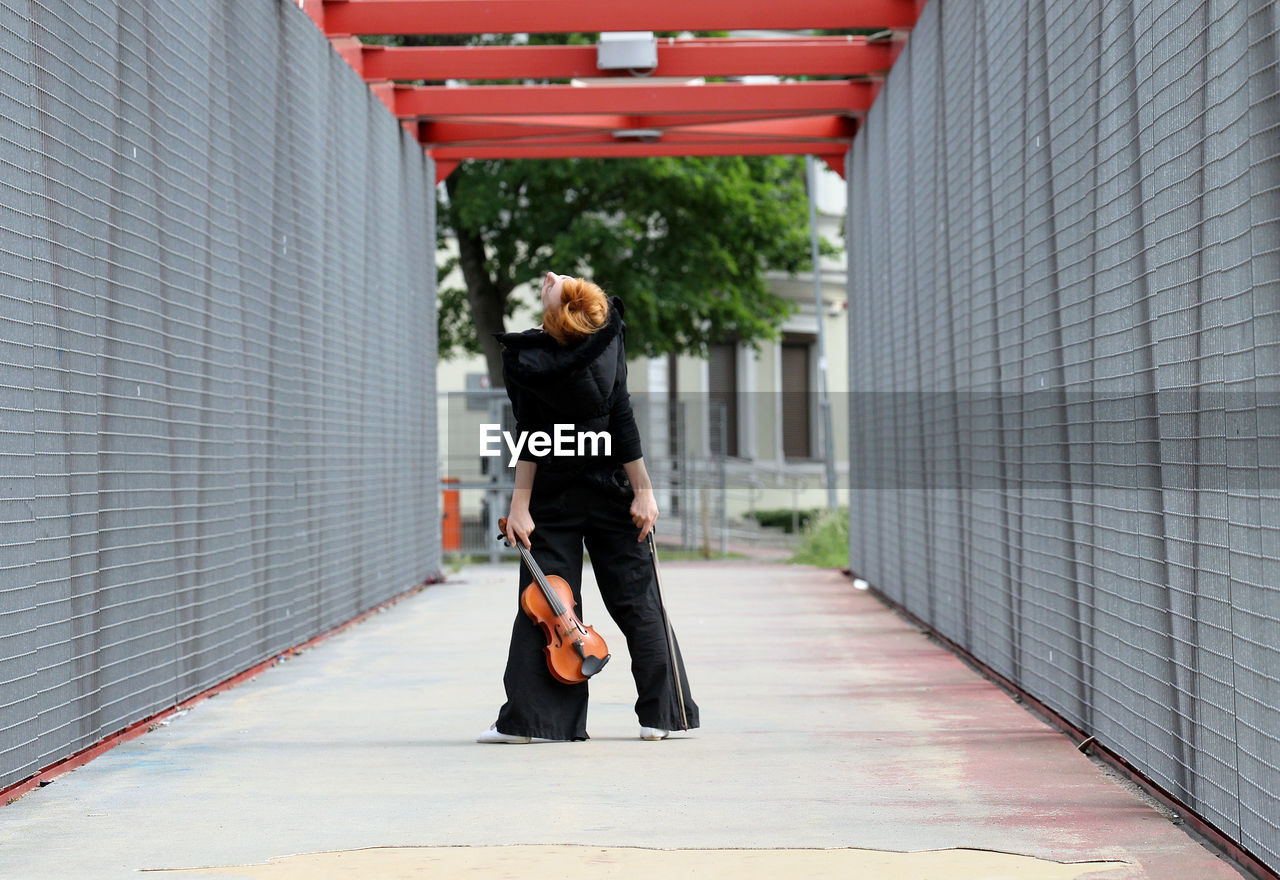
552, 598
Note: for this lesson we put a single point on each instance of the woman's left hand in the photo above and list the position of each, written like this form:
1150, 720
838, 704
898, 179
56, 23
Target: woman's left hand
644, 512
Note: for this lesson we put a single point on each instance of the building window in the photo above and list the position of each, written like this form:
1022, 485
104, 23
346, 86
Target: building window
722, 375
796, 427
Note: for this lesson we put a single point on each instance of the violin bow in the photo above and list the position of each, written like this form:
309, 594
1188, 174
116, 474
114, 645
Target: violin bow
671, 640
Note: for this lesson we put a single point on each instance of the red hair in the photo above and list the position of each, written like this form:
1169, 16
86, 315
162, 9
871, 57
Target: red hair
584, 309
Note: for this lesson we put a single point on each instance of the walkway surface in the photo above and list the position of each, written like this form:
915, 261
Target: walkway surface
837, 742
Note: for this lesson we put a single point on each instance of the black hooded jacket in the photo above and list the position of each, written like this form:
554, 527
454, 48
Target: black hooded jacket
582, 385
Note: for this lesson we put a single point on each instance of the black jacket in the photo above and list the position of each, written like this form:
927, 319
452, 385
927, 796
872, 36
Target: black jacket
583, 385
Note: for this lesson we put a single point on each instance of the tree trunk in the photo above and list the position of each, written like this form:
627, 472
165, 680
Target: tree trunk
486, 299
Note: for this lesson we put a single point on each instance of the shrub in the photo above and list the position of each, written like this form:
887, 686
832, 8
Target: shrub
825, 540
783, 517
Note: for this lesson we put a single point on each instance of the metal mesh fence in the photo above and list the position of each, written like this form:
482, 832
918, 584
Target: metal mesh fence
217, 348
1066, 211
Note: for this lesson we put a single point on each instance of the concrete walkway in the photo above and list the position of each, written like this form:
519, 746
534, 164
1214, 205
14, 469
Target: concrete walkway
837, 742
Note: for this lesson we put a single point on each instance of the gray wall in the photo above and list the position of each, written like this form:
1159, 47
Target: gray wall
217, 356
1065, 367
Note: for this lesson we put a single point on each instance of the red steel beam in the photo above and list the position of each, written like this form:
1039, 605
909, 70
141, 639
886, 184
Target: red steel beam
835, 161
606, 139
616, 120
622, 150
565, 123
445, 168
564, 16
455, 133
823, 56
824, 127
469, 132
668, 120
841, 98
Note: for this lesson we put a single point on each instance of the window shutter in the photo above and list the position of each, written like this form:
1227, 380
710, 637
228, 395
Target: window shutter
795, 400
723, 378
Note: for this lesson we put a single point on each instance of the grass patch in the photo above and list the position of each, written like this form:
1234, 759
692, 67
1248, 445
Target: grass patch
456, 562
825, 540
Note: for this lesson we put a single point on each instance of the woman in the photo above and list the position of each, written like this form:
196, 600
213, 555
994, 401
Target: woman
572, 370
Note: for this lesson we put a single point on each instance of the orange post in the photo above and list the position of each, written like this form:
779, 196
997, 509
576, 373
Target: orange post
451, 525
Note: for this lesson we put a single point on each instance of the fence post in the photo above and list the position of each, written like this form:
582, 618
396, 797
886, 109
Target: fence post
681, 422
493, 495
724, 492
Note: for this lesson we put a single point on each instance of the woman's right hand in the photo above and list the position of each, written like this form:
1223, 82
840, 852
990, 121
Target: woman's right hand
519, 526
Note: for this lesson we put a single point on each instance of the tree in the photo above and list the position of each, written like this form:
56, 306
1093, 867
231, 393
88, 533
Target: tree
685, 243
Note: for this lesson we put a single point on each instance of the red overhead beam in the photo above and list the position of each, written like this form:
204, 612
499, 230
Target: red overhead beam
622, 150
835, 162
820, 56
445, 168
595, 121
605, 139
825, 127
536, 121
817, 128
452, 132
838, 98
563, 123
564, 16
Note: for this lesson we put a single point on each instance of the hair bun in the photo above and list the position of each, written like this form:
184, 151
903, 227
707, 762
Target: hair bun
584, 309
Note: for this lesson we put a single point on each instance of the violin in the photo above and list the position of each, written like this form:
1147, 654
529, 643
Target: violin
575, 652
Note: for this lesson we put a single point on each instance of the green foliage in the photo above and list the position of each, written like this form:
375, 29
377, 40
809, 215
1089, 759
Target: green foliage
685, 242
784, 517
825, 540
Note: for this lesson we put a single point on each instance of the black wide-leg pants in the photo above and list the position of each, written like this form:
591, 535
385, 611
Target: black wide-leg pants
568, 513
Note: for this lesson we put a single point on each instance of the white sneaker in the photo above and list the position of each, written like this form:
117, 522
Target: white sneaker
653, 733
493, 735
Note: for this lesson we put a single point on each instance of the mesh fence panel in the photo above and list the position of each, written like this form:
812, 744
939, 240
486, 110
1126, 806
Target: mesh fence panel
1064, 358
217, 350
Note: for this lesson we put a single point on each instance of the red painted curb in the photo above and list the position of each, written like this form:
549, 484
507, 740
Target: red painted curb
138, 728
1086, 742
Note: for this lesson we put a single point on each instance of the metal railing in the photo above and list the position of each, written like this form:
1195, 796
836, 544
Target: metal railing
1063, 284
218, 336
706, 496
